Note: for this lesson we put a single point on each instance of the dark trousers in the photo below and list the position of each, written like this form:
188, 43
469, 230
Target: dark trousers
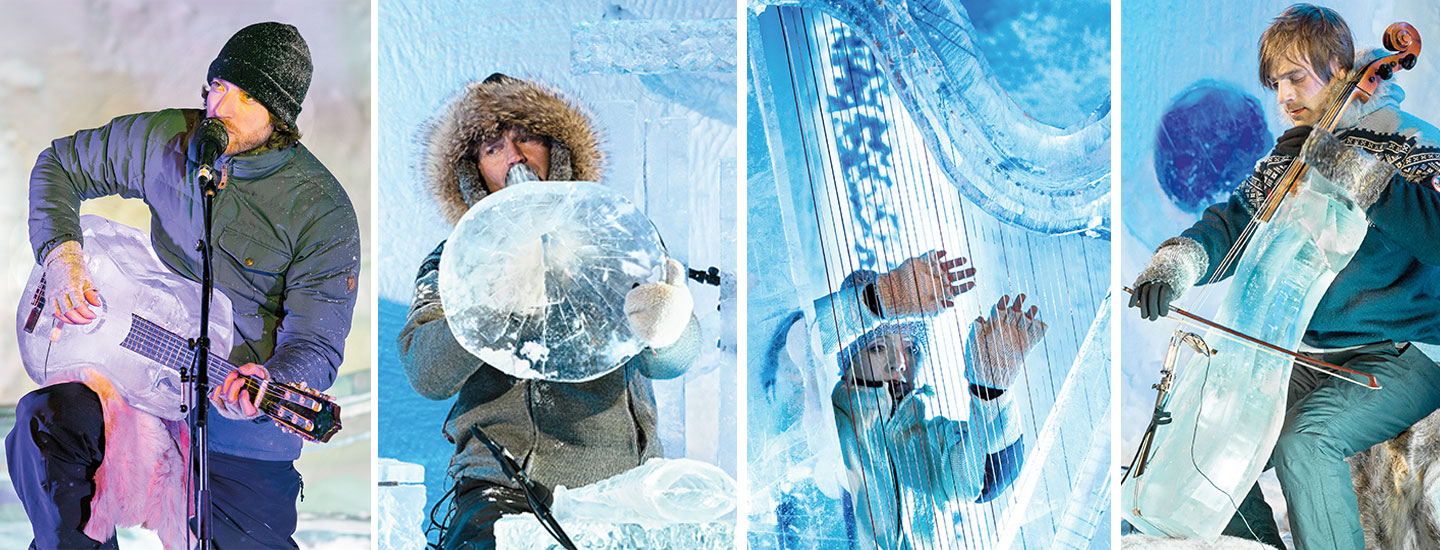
1326, 421
58, 442
478, 505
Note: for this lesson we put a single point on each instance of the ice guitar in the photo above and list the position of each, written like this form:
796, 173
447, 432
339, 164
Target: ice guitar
140, 341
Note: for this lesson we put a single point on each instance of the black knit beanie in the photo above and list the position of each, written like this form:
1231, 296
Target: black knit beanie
270, 61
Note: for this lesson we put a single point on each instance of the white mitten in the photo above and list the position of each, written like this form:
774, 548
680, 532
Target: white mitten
66, 283
659, 312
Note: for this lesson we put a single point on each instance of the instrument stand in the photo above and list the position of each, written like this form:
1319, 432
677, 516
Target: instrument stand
210, 183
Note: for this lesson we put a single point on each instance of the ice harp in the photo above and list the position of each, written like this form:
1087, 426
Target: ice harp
887, 137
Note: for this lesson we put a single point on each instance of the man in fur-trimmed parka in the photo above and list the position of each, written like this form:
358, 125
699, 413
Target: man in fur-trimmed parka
1386, 161
570, 434
909, 464
287, 253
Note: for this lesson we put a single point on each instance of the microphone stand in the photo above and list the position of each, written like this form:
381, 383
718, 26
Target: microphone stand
210, 183
535, 494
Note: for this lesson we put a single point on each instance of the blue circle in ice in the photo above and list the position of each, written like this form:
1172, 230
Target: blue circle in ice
1207, 143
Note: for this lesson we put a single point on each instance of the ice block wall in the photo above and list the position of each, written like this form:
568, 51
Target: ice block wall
669, 129
843, 180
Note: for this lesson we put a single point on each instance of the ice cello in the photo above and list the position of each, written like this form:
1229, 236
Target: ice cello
1018, 169
1228, 409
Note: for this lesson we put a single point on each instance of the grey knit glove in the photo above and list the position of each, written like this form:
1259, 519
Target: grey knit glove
1351, 168
922, 285
1177, 265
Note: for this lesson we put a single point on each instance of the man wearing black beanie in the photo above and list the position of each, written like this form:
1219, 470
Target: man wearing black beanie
286, 253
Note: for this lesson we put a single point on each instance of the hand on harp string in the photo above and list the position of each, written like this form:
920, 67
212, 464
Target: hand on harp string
997, 347
923, 285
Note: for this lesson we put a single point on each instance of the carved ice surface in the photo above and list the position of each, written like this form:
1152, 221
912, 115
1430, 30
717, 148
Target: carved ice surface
132, 280
522, 532
1081, 416
653, 46
664, 503
1227, 411
657, 493
400, 505
534, 278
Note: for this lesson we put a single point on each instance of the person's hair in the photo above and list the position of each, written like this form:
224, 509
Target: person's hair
282, 135
1305, 31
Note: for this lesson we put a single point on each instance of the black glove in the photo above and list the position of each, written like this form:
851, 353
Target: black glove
1289, 143
1153, 299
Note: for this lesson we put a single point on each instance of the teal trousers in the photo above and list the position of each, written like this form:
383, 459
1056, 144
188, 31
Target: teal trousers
1326, 421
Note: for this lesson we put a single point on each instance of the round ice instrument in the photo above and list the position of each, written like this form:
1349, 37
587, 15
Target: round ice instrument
534, 277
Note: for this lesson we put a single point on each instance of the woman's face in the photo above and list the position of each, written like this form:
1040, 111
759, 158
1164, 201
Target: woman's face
888, 358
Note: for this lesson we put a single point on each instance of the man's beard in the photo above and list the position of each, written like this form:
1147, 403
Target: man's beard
245, 142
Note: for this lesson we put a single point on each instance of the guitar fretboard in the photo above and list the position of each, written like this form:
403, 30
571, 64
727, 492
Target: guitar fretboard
157, 344
167, 348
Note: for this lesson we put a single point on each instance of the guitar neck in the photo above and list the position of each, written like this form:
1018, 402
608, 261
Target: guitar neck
306, 412
167, 348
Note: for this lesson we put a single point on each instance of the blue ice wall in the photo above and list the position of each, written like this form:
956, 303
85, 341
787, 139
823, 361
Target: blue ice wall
1170, 51
670, 132
839, 179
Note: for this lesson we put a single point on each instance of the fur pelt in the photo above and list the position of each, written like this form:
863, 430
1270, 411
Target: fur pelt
1397, 483
484, 110
1386, 93
141, 480
1146, 542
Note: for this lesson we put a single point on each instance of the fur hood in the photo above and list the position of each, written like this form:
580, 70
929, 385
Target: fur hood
480, 113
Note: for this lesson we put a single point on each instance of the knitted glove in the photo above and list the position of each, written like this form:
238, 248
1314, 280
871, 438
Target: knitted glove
1175, 267
1361, 174
658, 312
68, 286
922, 285
996, 348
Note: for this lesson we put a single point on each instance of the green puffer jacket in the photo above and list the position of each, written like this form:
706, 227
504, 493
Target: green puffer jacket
287, 245
569, 434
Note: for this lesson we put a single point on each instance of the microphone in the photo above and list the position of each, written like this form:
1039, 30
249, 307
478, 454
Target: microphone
206, 145
520, 173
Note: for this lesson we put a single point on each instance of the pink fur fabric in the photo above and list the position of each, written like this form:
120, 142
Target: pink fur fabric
141, 480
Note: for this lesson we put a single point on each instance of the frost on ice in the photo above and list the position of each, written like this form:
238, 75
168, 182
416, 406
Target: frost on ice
533, 279
1018, 169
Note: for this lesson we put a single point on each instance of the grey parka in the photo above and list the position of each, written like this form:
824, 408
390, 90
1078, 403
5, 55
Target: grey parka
287, 245
568, 434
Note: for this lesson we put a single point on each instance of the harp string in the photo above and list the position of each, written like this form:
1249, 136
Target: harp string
946, 351
851, 215
816, 196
